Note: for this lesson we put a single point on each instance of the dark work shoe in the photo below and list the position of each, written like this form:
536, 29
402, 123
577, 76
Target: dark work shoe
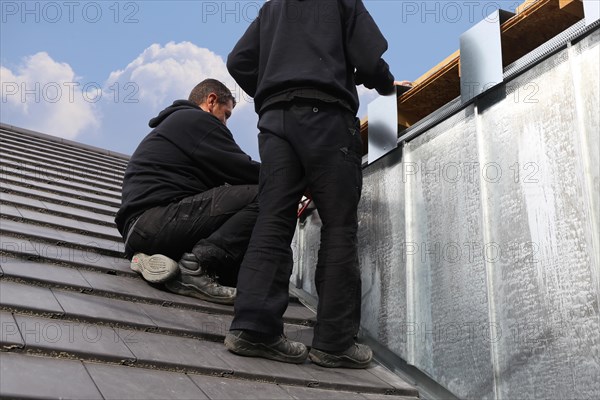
356, 356
277, 348
155, 268
193, 281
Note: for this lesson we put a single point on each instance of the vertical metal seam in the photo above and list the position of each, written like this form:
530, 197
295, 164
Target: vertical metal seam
410, 276
585, 161
485, 218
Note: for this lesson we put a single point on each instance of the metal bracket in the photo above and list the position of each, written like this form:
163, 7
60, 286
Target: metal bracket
383, 126
481, 56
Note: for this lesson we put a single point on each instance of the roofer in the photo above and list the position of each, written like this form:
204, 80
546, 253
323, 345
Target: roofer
301, 61
189, 198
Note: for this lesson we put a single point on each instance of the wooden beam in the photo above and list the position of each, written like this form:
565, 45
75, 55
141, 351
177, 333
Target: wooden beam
574, 7
536, 24
526, 4
429, 92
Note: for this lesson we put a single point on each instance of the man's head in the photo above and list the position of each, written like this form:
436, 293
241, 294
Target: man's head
213, 97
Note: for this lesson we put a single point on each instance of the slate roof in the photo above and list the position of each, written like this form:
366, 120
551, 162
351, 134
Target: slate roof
76, 322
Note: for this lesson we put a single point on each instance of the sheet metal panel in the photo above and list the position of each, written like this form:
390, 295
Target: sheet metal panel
383, 126
381, 241
544, 292
479, 243
586, 78
445, 254
481, 57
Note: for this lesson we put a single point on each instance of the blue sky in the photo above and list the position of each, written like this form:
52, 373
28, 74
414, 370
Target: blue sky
96, 71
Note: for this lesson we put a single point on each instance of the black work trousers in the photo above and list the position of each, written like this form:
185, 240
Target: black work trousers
314, 145
214, 225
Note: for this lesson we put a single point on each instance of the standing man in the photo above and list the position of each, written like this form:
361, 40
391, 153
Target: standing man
301, 61
190, 194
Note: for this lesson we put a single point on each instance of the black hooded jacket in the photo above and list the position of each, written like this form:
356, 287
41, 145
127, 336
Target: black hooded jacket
328, 45
188, 152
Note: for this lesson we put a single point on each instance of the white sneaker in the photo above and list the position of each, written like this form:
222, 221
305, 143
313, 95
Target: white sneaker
155, 268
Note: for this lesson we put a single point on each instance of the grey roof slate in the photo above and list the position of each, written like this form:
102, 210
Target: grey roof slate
43, 273
33, 299
10, 336
25, 376
55, 197
54, 336
24, 201
71, 307
119, 383
17, 245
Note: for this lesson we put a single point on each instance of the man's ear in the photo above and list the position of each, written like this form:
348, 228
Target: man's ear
211, 100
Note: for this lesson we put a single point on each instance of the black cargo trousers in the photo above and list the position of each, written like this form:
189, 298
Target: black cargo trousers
305, 144
214, 225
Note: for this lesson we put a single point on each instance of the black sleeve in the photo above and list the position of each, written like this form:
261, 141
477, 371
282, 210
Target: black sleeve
221, 156
242, 62
365, 45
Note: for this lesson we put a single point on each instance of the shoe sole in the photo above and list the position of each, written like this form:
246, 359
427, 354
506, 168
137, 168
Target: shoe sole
156, 268
332, 361
245, 348
192, 291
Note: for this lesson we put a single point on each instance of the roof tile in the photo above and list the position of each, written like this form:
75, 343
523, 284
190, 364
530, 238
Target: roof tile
16, 296
10, 336
39, 377
39, 272
174, 352
73, 338
223, 388
115, 382
16, 245
62, 257
101, 309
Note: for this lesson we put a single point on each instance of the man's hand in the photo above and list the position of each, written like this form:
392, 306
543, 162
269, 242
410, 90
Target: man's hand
403, 83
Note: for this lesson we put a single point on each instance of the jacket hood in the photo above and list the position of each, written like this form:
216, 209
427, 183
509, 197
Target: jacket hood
176, 106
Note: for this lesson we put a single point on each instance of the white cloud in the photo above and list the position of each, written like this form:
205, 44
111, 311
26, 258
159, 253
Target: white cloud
163, 74
45, 95
157, 77
114, 115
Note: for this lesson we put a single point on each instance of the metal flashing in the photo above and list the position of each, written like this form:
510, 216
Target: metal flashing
481, 56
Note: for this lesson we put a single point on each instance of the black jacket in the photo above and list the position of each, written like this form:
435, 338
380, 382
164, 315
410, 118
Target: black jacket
188, 152
328, 45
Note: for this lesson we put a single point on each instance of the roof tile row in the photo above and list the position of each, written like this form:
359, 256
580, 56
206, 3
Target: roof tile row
71, 307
